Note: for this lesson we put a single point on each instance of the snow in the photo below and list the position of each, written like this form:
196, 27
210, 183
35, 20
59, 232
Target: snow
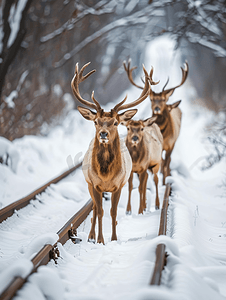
69, 101
14, 20
14, 94
38, 243
140, 17
9, 100
122, 269
9, 151
57, 90
20, 268
42, 286
195, 38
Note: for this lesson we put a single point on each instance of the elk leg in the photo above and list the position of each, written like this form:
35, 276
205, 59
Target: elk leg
166, 168
114, 204
145, 191
142, 189
92, 236
156, 180
168, 163
98, 199
162, 166
164, 172
128, 209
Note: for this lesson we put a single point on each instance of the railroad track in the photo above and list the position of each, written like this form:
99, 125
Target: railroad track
10, 209
68, 231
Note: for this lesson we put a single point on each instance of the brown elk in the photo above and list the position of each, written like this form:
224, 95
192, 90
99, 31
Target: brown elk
144, 142
107, 163
168, 115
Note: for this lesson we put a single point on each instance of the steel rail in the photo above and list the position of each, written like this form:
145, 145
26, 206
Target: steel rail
48, 252
10, 209
160, 260
68, 231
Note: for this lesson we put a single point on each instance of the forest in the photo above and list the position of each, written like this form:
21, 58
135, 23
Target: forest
112, 149
41, 41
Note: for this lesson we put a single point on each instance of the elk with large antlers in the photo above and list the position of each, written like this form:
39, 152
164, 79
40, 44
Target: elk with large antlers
168, 115
107, 163
144, 142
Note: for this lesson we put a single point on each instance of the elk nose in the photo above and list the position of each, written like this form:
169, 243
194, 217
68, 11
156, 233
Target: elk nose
135, 138
103, 134
157, 110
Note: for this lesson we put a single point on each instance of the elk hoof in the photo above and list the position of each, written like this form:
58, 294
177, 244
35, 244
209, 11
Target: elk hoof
91, 241
156, 207
128, 212
114, 238
100, 241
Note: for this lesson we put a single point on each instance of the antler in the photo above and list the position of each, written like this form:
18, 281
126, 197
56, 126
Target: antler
142, 97
129, 73
130, 76
184, 77
77, 79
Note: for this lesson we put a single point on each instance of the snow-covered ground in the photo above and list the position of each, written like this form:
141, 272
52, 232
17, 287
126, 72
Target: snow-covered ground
196, 234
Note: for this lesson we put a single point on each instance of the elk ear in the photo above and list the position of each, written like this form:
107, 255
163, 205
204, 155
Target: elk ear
168, 94
174, 105
150, 121
87, 113
126, 116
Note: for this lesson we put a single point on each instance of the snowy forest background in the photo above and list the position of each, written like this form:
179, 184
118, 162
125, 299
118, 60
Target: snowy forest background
41, 41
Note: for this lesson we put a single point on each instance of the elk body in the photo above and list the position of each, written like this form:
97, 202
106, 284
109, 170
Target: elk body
168, 116
107, 163
144, 142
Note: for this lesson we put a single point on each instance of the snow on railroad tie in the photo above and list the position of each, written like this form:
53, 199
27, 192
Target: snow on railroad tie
122, 269
86, 268
45, 215
197, 224
196, 228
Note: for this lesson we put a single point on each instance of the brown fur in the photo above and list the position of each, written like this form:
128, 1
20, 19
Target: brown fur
107, 163
169, 116
109, 166
146, 154
169, 122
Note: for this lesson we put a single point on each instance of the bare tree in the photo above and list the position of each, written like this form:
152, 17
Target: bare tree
13, 29
217, 138
36, 65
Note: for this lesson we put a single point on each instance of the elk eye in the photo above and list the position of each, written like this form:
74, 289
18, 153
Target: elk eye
142, 129
95, 122
116, 123
127, 128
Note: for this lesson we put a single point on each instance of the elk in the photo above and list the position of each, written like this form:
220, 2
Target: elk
168, 115
107, 163
144, 142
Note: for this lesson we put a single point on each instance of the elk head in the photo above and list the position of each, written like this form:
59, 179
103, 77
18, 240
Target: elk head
136, 130
159, 100
109, 166
106, 123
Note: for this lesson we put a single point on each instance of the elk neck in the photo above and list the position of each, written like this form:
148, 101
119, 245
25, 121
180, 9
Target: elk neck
106, 158
137, 152
164, 121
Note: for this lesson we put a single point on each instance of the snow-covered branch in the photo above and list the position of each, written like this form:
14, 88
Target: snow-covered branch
217, 49
203, 23
84, 11
14, 94
12, 32
15, 19
141, 17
